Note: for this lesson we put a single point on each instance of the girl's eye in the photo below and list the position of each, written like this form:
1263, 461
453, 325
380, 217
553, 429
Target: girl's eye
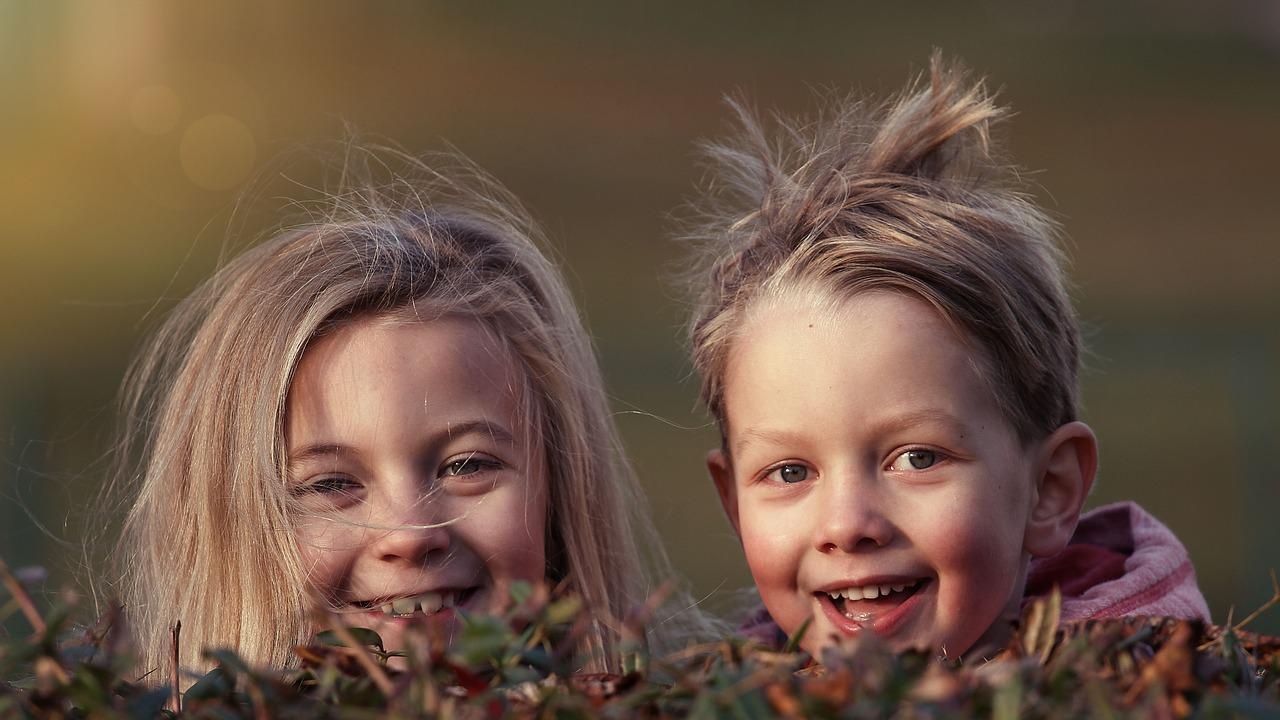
328, 485
791, 473
469, 465
915, 459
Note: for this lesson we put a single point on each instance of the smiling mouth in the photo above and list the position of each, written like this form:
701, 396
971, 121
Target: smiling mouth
863, 604
422, 605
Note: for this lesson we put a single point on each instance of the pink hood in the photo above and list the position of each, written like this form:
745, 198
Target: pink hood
1120, 561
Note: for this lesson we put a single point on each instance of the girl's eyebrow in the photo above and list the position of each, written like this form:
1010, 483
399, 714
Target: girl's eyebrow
310, 452
495, 432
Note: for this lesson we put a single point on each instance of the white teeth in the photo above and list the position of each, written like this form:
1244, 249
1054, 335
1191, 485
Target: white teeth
868, 592
430, 603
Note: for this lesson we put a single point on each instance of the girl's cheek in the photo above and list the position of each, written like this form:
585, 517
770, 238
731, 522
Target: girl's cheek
320, 550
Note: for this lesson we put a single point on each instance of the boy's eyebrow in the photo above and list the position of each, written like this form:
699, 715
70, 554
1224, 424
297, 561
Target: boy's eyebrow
926, 415
774, 437
893, 423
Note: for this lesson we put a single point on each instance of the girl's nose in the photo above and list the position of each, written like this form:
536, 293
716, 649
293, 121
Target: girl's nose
852, 516
410, 534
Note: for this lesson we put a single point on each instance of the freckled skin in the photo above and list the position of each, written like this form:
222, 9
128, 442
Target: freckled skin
433, 486
846, 396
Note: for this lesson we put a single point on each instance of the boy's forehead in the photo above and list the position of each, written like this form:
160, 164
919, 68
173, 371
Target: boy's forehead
812, 305
822, 329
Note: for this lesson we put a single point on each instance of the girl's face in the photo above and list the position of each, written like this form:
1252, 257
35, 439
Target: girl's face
418, 488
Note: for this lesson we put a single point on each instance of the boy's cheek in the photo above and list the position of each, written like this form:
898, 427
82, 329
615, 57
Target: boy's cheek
773, 552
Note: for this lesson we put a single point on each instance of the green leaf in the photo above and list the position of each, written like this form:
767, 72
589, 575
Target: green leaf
793, 642
364, 636
214, 684
148, 704
520, 591
563, 612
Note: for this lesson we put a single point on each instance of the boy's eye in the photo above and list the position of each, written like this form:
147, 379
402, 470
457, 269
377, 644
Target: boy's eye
915, 459
791, 473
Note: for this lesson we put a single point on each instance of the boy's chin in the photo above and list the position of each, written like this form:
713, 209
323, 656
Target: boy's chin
993, 641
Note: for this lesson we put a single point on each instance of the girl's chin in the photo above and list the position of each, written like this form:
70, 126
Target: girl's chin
440, 623
398, 633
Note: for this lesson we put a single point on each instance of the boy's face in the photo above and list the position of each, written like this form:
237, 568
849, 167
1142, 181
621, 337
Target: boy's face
873, 481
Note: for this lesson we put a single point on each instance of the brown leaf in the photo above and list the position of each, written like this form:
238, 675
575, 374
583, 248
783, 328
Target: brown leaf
1039, 633
783, 700
1172, 665
937, 686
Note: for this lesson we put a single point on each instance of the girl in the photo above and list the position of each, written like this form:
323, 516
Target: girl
389, 410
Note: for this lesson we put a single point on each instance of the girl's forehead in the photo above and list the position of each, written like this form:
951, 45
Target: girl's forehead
446, 360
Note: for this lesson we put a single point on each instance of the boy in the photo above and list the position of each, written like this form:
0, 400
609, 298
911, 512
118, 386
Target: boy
887, 345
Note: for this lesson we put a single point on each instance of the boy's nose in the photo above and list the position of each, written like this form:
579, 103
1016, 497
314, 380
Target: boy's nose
852, 517
410, 534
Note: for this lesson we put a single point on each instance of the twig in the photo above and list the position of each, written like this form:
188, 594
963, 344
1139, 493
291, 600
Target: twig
1275, 600
1237, 627
362, 656
21, 597
175, 697
260, 711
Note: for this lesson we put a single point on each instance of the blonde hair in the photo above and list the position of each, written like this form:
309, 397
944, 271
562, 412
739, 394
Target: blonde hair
209, 539
905, 196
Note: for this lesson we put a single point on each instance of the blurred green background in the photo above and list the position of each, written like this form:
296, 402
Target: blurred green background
128, 131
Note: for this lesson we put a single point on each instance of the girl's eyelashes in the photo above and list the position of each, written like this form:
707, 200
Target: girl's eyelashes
327, 485
469, 464
914, 459
336, 486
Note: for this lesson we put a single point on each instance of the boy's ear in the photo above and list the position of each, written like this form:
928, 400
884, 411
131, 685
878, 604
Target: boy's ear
721, 469
1067, 463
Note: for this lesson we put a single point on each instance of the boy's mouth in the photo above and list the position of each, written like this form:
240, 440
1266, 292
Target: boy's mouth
881, 607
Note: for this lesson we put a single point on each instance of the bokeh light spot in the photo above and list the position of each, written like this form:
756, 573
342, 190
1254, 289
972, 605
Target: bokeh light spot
155, 109
217, 152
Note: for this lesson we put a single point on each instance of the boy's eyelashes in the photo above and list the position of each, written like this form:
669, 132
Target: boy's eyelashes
918, 458
789, 473
913, 459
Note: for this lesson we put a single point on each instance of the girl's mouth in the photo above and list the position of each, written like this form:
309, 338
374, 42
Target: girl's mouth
423, 605
882, 608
